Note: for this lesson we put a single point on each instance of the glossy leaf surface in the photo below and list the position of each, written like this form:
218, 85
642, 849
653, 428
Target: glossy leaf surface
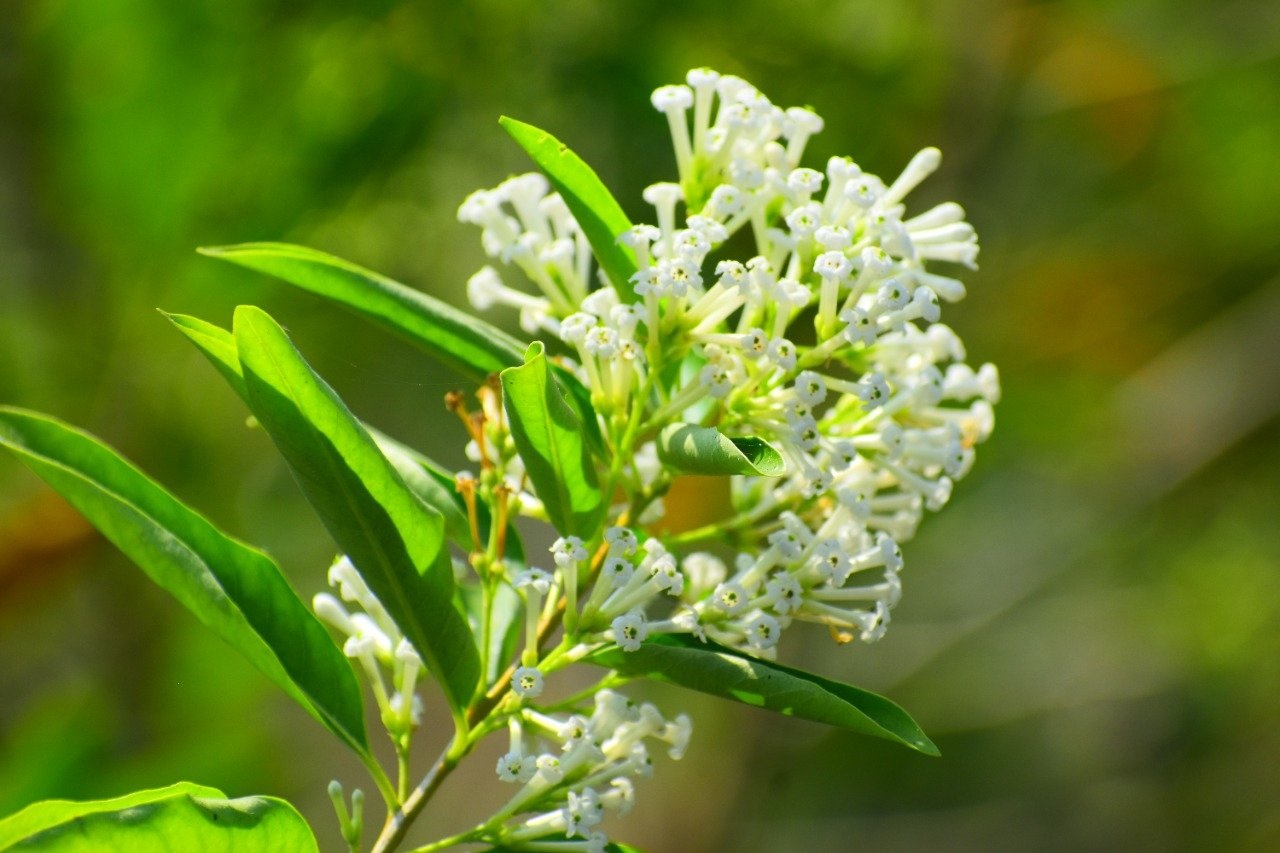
589, 200
719, 671
428, 480
704, 450
393, 538
234, 589
466, 343
180, 817
553, 446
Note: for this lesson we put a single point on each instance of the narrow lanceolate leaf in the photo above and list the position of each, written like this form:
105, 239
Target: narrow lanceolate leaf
719, 671
553, 446
217, 345
429, 481
180, 817
505, 624
236, 590
469, 345
704, 450
590, 202
394, 539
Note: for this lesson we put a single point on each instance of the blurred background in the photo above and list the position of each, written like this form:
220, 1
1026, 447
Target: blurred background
1090, 632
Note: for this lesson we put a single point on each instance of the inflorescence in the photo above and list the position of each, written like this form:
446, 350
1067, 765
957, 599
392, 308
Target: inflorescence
824, 340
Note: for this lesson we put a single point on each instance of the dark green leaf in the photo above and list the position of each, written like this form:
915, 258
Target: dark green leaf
180, 817
550, 439
719, 671
236, 590
590, 202
704, 450
393, 538
468, 344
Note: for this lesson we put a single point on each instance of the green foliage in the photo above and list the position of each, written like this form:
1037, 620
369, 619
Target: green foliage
590, 201
506, 618
395, 540
466, 343
234, 589
549, 436
180, 817
705, 450
718, 671
428, 480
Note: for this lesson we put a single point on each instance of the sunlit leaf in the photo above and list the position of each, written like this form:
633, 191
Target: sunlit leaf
704, 450
552, 445
466, 343
428, 480
590, 202
180, 817
392, 537
579, 397
216, 343
719, 671
236, 590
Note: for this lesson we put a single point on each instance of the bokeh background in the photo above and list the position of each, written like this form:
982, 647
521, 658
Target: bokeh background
1091, 631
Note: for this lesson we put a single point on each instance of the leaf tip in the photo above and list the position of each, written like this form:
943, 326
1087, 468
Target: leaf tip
926, 747
535, 350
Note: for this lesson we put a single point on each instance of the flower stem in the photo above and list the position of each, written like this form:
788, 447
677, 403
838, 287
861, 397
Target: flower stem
399, 820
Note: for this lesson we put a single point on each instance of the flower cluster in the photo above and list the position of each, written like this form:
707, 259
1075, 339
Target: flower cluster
826, 342
376, 644
822, 344
573, 768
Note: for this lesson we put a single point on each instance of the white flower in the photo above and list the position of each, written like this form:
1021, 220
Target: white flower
763, 630
568, 550
629, 631
526, 682
514, 767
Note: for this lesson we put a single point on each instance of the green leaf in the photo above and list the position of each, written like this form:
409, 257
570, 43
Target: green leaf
234, 589
580, 398
217, 345
590, 202
428, 480
507, 621
719, 671
466, 343
180, 817
392, 537
550, 439
704, 450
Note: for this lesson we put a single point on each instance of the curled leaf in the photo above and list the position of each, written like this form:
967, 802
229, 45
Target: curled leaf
697, 449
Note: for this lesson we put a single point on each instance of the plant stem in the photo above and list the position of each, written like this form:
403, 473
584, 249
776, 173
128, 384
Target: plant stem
383, 782
399, 820
402, 760
460, 838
